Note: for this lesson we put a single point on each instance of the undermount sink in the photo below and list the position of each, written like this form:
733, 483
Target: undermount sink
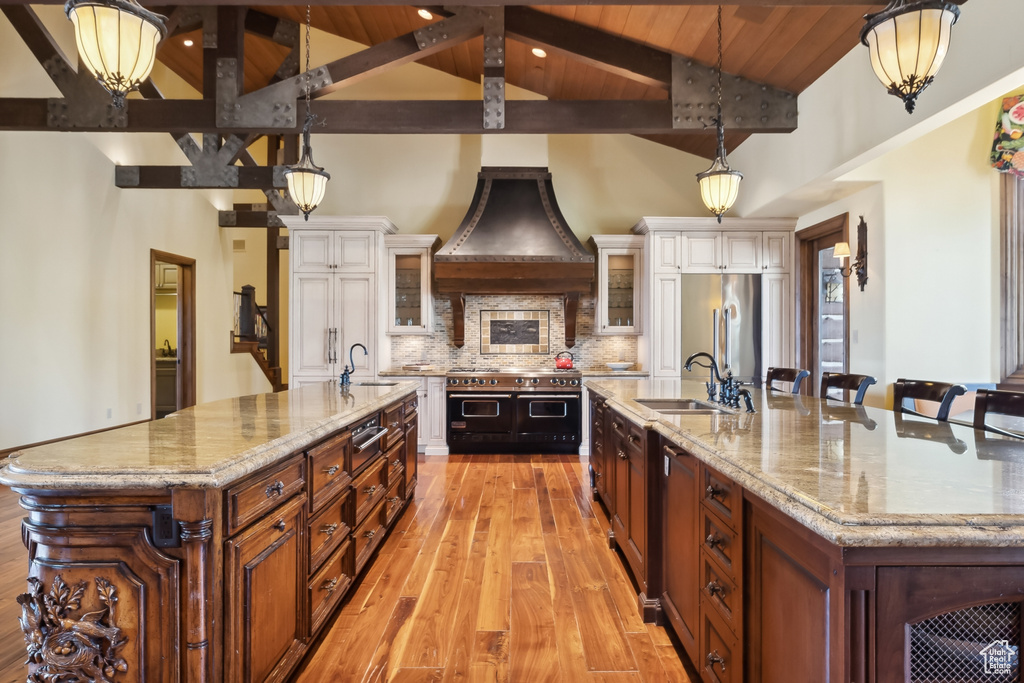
679, 406
374, 384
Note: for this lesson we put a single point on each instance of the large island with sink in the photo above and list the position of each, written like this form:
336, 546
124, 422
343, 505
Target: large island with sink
814, 541
211, 545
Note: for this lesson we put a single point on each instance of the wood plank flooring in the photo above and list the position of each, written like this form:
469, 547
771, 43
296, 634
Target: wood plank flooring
498, 571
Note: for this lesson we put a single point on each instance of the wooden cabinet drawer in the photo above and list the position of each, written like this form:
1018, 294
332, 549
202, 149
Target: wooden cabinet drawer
719, 592
368, 535
412, 404
634, 441
720, 660
395, 459
722, 495
369, 488
330, 584
328, 529
256, 496
394, 500
719, 542
328, 469
618, 426
396, 430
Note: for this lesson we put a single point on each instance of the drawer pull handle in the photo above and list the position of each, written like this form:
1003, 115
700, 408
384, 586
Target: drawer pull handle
712, 540
329, 529
332, 470
393, 425
415, 405
396, 464
597, 424
715, 658
330, 586
631, 438
370, 490
371, 533
714, 587
598, 474
622, 455
276, 488
616, 426
713, 492
280, 525
394, 499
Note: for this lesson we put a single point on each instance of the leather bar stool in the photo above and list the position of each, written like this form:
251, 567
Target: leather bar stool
794, 375
857, 383
921, 390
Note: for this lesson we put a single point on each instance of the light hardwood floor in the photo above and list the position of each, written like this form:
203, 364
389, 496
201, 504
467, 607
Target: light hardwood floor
498, 571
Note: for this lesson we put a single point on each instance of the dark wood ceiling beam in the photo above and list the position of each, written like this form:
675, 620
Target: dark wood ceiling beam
249, 219
494, 69
590, 46
281, 31
404, 116
175, 177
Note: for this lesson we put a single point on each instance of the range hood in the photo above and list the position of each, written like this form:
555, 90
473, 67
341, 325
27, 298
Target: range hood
513, 240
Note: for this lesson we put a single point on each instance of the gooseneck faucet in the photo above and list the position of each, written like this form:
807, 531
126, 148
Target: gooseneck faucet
716, 376
346, 378
728, 388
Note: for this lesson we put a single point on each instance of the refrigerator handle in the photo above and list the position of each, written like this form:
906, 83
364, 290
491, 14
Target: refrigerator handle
714, 334
726, 316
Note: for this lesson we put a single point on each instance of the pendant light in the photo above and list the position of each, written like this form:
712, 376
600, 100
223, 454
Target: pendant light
307, 182
719, 185
907, 42
117, 42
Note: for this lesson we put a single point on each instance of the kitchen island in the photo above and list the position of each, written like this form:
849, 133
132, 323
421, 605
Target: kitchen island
213, 544
811, 540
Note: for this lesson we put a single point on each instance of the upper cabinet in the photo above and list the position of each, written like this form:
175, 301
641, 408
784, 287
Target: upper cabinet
619, 304
317, 251
717, 251
409, 301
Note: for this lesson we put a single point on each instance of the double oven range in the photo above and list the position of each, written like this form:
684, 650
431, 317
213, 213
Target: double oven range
513, 410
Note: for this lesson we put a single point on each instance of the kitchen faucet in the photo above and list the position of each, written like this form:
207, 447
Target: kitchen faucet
346, 379
167, 343
728, 389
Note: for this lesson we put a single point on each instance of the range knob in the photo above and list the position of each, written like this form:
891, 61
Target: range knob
452, 380
493, 382
519, 380
554, 381
561, 382
574, 382
465, 381
535, 380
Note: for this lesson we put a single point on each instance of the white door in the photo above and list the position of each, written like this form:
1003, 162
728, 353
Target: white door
667, 360
355, 306
313, 335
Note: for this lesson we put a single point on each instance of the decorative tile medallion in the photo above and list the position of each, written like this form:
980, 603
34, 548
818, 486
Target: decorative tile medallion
513, 332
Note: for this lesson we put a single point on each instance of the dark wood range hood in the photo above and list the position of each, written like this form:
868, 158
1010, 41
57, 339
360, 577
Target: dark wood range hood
513, 240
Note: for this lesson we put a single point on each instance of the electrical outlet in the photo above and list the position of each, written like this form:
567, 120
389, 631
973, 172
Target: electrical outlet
110, 413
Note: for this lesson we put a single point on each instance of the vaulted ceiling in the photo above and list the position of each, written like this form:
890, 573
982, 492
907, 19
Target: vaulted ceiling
785, 46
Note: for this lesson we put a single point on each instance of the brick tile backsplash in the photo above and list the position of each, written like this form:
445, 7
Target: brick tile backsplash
591, 351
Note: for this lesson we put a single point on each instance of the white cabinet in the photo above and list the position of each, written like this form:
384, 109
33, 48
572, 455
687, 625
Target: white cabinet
717, 251
335, 266
165, 278
700, 245
409, 301
436, 421
620, 280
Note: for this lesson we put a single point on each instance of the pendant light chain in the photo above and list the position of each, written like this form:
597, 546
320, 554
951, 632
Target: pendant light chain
308, 75
720, 65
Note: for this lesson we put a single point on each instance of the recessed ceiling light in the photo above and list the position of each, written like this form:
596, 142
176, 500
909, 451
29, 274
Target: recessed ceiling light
188, 42
425, 14
539, 52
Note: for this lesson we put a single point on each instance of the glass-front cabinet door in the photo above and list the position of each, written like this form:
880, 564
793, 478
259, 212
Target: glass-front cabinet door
619, 292
409, 301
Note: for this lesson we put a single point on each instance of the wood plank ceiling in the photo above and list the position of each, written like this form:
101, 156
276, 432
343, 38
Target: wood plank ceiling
787, 47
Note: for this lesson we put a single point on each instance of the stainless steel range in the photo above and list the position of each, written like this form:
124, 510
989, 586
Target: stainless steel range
514, 410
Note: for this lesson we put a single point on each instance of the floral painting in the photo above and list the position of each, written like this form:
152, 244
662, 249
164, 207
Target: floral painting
1008, 144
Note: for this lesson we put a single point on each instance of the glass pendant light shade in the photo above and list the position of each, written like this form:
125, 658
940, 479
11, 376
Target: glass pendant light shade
719, 187
117, 42
907, 42
307, 182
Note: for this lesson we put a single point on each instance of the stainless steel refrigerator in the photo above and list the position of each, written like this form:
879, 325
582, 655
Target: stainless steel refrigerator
722, 315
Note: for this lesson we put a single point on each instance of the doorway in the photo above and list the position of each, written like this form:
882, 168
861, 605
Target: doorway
172, 333
823, 300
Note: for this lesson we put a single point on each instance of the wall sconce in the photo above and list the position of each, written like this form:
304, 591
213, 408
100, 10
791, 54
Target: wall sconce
860, 264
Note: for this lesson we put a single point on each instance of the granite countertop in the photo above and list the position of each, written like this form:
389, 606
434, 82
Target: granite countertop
208, 445
857, 476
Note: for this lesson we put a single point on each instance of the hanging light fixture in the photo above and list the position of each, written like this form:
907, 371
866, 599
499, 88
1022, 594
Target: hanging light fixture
117, 42
907, 42
719, 185
307, 182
